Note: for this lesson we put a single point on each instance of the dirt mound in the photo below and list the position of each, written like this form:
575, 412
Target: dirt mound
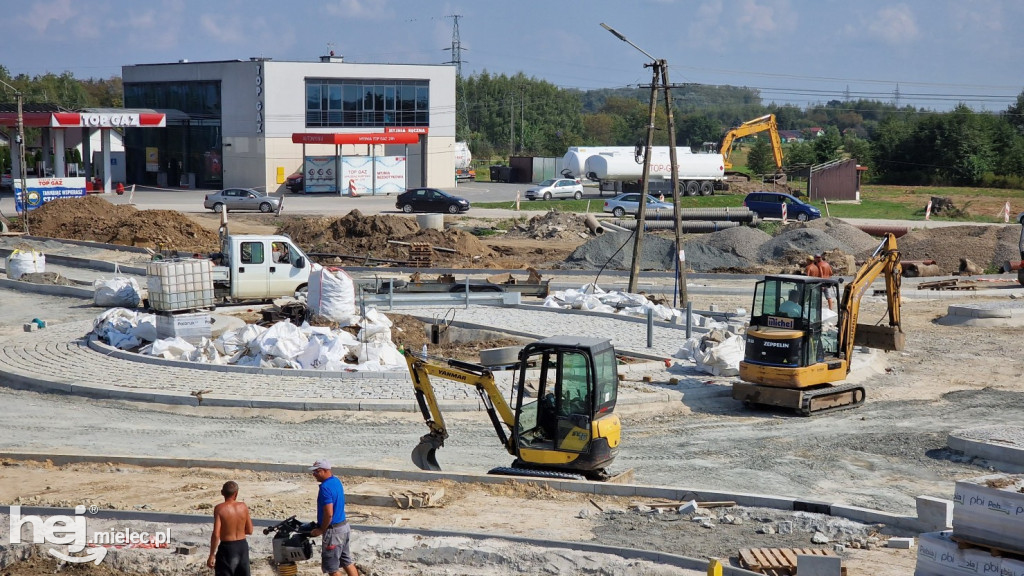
94, 219
357, 238
552, 225
987, 246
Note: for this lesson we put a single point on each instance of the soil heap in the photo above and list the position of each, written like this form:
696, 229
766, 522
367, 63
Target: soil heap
94, 219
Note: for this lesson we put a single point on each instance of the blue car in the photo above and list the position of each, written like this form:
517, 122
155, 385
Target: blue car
769, 205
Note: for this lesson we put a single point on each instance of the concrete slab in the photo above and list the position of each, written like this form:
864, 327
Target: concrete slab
810, 565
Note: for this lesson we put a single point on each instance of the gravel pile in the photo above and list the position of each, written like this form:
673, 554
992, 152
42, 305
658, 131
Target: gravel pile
616, 250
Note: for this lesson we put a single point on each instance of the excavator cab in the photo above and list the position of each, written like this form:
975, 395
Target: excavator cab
560, 418
565, 398
787, 328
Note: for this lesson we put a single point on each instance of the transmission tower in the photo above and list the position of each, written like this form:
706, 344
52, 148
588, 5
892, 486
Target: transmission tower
456, 47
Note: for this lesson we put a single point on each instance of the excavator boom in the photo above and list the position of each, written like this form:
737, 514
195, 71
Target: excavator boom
762, 124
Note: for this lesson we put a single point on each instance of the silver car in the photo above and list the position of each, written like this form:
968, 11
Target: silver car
241, 199
629, 203
556, 188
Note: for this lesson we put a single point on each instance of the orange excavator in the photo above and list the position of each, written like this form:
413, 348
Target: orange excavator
763, 124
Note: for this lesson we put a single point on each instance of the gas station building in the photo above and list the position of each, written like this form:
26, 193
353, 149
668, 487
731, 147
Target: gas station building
251, 123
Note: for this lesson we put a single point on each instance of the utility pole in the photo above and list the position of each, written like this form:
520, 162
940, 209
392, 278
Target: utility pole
676, 209
21, 154
660, 74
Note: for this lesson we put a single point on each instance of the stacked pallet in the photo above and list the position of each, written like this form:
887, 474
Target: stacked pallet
421, 255
988, 531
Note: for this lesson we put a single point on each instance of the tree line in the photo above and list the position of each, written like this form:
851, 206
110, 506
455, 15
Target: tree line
501, 116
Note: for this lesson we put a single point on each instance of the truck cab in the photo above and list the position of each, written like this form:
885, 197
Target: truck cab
257, 267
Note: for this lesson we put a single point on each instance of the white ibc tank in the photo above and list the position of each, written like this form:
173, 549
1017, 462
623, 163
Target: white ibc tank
463, 157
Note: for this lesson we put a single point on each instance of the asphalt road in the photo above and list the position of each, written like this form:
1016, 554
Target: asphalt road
191, 201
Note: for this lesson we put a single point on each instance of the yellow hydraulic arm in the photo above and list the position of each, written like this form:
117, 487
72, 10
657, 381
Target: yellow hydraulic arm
764, 123
474, 375
886, 258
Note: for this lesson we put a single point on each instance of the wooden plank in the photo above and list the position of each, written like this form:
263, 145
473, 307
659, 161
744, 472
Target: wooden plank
777, 561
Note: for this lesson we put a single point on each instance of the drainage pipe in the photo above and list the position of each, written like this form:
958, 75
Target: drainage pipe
728, 214
609, 227
691, 227
897, 231
1012, 266
593, 225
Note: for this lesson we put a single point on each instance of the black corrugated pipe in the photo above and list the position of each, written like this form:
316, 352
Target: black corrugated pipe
688, 227
732, 214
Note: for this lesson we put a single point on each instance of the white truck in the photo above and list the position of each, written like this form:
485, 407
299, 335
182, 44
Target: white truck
258, 267
463, 162
616, 169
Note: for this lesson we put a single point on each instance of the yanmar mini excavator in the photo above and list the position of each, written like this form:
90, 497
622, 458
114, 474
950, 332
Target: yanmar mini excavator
792, 359
560, 420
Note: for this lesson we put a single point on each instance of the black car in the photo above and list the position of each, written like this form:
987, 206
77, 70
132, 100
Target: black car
430, 200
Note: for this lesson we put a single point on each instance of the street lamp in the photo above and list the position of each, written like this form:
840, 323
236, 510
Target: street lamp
20, 139
660, 69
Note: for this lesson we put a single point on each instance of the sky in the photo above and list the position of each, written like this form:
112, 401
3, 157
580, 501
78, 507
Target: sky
926, 53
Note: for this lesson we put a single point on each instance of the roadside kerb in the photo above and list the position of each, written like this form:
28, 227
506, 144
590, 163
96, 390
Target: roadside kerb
865, 515
653, 556
49, 289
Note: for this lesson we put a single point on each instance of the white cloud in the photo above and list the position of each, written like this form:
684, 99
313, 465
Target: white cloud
894, 25
360, 9
40, 15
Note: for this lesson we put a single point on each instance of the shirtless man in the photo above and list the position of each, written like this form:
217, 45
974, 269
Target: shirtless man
229, 552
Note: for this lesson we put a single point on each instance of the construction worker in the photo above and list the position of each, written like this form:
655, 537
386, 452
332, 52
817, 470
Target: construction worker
825, 271
810, 268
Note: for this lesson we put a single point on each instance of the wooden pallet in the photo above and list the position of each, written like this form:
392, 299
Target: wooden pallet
948, 285
963, 543
420, 255
778, 561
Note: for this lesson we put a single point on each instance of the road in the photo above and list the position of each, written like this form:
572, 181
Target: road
191, 201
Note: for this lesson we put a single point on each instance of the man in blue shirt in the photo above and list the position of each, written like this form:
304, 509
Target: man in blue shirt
331, 523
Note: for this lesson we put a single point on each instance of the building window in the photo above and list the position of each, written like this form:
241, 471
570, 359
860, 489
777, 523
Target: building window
350, 103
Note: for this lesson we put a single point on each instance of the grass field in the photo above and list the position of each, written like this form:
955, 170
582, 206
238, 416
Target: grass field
889, 202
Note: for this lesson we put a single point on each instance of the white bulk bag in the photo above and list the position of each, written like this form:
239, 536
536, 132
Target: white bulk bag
22, 262
332, 295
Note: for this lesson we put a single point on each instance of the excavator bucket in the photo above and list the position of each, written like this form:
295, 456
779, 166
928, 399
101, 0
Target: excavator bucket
885, 338
424, 454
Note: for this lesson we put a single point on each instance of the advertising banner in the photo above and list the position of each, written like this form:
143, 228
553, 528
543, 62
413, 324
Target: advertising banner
43, 190
357, 175
152, 159
320, 174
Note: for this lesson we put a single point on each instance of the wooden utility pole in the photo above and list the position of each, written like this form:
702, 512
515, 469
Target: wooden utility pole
676, 209
641, 211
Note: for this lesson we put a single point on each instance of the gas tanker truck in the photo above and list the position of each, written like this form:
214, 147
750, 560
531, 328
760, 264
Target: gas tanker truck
616, 168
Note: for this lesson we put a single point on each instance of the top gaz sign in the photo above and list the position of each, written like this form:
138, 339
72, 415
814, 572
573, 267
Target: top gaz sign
108, 120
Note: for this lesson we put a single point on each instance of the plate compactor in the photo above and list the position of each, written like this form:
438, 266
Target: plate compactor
291, 543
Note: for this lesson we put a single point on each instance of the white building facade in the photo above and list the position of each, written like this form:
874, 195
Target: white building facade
240, 123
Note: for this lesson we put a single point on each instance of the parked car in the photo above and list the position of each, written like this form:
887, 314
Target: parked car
629, 203
430, 200
241, 199
296, 182
769, 205
6, 181
556, 188
465, 174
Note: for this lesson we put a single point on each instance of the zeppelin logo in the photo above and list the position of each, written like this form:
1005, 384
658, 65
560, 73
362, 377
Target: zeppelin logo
770, 344
110, 120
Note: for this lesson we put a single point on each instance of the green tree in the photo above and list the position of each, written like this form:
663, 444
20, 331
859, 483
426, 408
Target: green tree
826, 146
760, 158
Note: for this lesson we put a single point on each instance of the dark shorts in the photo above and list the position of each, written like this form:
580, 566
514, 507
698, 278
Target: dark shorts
336, 554
232, 559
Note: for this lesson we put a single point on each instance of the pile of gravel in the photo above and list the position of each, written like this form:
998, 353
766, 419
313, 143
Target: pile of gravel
731, 248
658, 253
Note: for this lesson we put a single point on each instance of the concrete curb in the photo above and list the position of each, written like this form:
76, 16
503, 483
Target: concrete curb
1005, 458
909, 523
653, 556
48, 289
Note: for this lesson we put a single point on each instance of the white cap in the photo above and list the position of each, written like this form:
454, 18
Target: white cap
321, 464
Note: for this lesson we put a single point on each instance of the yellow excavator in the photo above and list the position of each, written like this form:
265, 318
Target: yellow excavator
792, 358
762, 124
559, 421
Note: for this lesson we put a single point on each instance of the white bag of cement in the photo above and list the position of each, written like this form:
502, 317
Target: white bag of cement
332, 295
170, 348
120, 291
374, 357
689, 350
22, 262
723, 359
125, 329
231, 342
375, 327
323, 353
553, 302
282, 340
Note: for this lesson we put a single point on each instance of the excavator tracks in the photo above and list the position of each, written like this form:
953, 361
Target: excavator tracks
805, 401
831, 399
